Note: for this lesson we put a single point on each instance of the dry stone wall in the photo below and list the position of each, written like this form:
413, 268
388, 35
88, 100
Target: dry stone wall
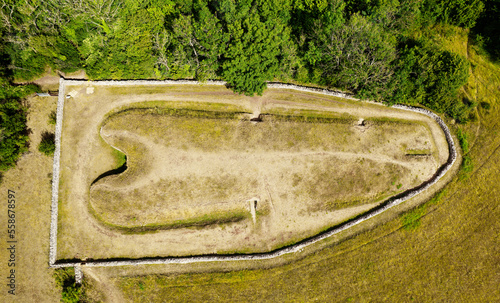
55, 174
224, 258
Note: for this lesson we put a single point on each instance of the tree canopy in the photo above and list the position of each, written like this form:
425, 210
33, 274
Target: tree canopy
257, 33
361, 46
13, 131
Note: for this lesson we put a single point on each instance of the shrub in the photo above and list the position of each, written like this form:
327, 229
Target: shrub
52, 118
13, 132
462, 139
411, 220
47, 145
467, 165
485, 105
65, 277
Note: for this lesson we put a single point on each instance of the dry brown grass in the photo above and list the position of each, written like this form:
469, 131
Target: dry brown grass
451, 257
198, 181
228, 161
30, 179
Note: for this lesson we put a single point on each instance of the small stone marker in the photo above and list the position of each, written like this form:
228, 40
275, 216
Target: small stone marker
90, 90
253, 207
73, 93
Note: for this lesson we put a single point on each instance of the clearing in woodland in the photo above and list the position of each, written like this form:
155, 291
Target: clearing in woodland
178, 170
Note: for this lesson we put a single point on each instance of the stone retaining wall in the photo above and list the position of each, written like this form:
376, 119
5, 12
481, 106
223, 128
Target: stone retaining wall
55, 175
218, 258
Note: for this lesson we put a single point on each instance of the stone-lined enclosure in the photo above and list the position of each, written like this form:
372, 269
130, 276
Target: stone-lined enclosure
209, 258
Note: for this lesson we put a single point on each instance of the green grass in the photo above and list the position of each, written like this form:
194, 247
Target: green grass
463, 141
183, 112
467, 165
172, 198
411, 219
120, 157
388, 120
219, 130
52, 118
338, 185
450, 255
181, 108
309, 116
158, 89
314, 99
65, 278
418, 152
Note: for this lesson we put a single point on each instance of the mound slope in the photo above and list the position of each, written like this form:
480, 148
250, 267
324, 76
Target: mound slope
188, 171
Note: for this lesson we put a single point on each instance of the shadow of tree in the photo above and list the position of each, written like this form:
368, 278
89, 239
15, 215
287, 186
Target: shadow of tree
486, 33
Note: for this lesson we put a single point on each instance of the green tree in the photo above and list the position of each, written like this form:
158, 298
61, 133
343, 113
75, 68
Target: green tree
431, 77
47, 145
122, 50
13, 130
211, 42
486, 33
456, 12
258, 34
355, 56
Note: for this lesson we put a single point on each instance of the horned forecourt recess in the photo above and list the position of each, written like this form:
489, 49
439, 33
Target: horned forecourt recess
165, 172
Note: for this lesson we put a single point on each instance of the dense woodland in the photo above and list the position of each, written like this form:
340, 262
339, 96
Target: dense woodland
374, 49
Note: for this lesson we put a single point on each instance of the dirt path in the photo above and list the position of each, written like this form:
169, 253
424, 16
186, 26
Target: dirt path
106, 287
191, 159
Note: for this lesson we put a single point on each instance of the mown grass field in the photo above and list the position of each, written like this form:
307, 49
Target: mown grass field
449, 254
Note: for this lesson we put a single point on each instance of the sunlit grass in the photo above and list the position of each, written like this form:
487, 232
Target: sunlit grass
449, 255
